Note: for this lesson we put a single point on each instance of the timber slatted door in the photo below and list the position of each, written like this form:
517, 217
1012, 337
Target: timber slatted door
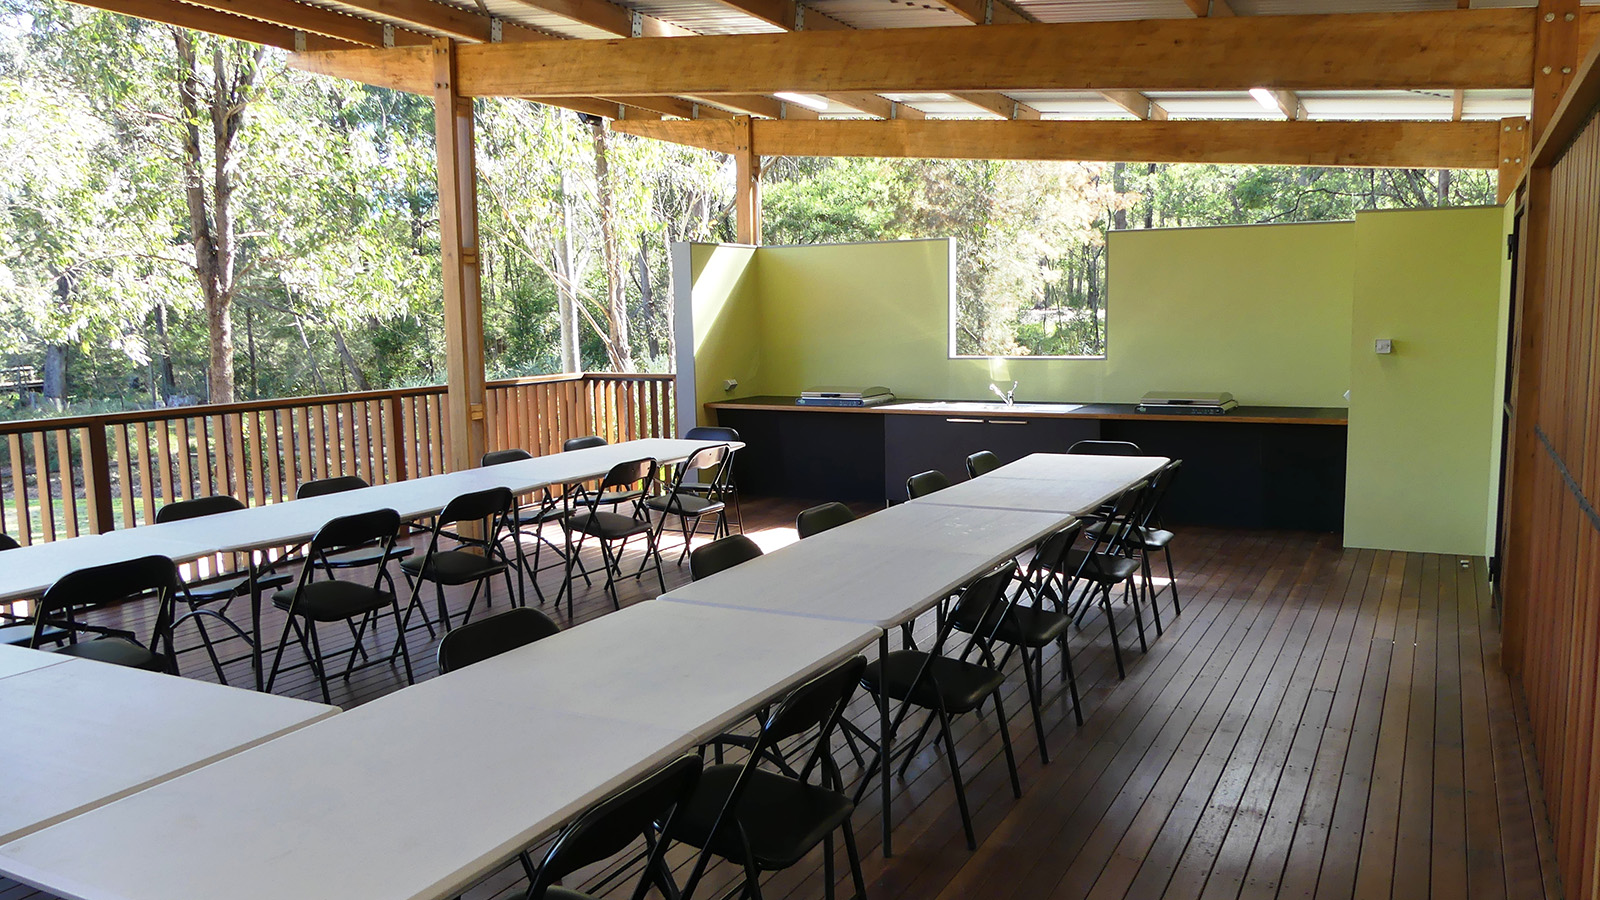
1552, 604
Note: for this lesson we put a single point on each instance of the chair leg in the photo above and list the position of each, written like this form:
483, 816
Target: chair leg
316, 663
1172, 580
1069, 675
915, 745
856, 880
277, 657
400, 638
1150, 593
1033, 700
955, 776
1111, 626
1130, 588
611, 568
1005, 742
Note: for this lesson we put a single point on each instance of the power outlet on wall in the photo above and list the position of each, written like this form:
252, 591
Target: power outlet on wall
729, 384
1383, 345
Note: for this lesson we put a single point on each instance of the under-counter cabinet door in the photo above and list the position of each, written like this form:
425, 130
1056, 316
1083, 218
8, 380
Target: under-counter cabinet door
916, 443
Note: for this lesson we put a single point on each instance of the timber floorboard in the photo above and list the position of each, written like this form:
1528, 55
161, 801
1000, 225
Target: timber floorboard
1317, 723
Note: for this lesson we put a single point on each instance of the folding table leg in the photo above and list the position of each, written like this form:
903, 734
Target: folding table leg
255, 623
884, 738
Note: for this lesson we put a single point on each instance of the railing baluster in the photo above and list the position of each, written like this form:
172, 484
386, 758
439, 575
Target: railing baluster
64, 470
41, 488
19, 490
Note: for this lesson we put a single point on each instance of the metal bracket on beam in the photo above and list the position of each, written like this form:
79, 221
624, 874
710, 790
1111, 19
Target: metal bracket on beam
799, 17
694, 110
299, 42
497, 32
388, 35
988, 12
638, 24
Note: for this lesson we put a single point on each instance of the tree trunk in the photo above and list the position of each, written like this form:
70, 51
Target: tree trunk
1443, 196
1150, 195
165, 379
566, 295
311, 357
223, 103
641, 277
616, 304
349, 358
671, 301
55, 374
1119, 183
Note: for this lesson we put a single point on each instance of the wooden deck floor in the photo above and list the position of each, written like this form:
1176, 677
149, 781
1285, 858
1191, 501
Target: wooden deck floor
1318, 723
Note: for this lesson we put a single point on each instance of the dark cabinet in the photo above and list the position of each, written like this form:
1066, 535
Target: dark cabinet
917, 443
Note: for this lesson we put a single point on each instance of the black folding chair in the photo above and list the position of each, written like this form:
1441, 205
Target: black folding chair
982, 463
766, 821
615, 497
924, 483
1106, 564
818, 519
649, 809
945, 686
586, 519
209, 598
331, 600
477, 641
721, 486
530, 519
471, 559
690, 507
356, 557
107, 585
725, 553
1106, 448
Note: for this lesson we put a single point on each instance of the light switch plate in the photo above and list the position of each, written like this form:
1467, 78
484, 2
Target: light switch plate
1383, 345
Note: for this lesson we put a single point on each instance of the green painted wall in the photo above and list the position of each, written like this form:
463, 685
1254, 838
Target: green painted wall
726, 323
1191, 309
1422, 438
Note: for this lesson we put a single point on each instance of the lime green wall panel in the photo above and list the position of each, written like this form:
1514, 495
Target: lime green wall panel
727, 322
1422, 445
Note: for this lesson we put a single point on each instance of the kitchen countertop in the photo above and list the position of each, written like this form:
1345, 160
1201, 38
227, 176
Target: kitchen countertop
1285, 415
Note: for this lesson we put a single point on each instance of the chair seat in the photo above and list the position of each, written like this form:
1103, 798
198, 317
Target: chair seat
1151, 538
685, 504
454, 567
1026, 626
20, 635
362, 557
118, 651
538, 515
609, 498
960, 685
228, 588
332, 601
1100, 567
783, 818
608, 525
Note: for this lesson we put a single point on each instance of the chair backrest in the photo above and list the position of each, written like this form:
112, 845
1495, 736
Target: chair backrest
710, 433
497, 457
1159, 484
977, 610
1051, 553
709, 559
476, 506
622, 477
924, 483
349, 533
107, 584
338, 484
7, 542
607, 828
583, 443
477, 641
1106, 448
714, 458
200, 506
818, 519
982, 463
1122, 519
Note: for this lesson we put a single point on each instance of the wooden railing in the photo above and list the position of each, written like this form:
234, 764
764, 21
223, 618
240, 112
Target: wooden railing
88, 474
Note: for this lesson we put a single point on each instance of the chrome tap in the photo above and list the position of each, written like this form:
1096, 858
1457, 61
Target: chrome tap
1007, 396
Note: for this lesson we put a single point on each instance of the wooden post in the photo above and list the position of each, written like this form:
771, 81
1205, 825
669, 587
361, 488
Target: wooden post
1515, 147
747, 183
1555, 55
454, 145
96, 477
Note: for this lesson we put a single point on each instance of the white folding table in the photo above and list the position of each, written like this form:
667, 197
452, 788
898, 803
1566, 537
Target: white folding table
1068, 484
77, 734
28, 571
421, 793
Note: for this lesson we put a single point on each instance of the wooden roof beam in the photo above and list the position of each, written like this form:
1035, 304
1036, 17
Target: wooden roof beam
1479, 48
1427, 145
999, 104
315, 19
1204, 8
1136, 104
608, 17
225, 24
1285, 102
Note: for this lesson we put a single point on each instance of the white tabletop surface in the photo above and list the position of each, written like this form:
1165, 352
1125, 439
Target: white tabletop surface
27, 571
880, 570
16, 660
423, 792
80, 734
697, 669
1049, 482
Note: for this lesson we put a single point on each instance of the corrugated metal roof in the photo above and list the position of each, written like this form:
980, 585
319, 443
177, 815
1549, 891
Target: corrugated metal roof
887, 13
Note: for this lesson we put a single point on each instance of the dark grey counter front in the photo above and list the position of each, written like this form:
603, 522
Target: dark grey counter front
1258, 467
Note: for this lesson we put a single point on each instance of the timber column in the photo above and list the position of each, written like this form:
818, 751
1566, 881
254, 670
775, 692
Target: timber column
747, 183
455, 146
